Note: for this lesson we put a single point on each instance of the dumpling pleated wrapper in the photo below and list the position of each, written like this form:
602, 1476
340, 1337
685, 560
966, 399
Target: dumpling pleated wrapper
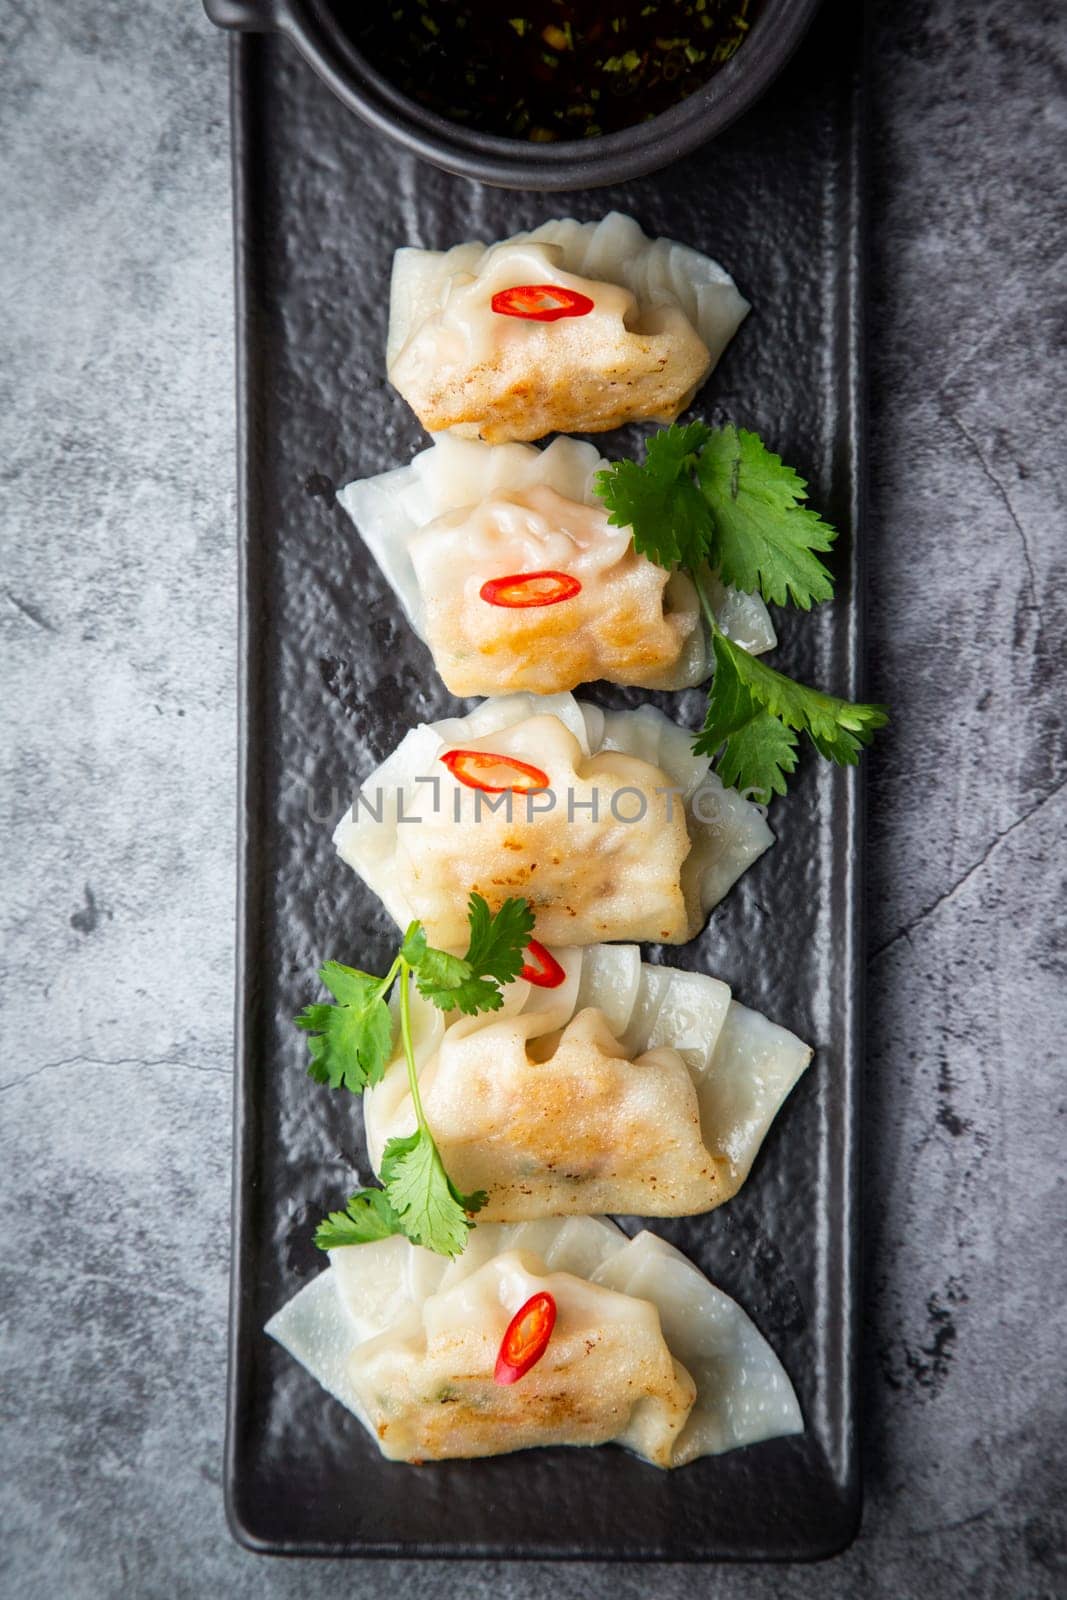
464, 513
662, 316
629, 1088
632, 838
645, 1352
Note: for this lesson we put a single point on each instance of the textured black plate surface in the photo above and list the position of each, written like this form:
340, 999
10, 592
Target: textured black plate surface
333, 677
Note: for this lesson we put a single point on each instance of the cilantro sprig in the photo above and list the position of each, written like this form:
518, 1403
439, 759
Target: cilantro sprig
719, 498
351, 1043
753, 712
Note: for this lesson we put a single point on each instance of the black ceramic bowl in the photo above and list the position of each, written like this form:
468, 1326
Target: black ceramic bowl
515, 163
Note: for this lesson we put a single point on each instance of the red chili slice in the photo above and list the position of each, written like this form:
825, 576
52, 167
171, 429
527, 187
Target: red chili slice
476, 768
526, 1338
542, 967
541, 302
521, 589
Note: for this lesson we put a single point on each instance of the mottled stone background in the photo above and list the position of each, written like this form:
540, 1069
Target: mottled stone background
117, 607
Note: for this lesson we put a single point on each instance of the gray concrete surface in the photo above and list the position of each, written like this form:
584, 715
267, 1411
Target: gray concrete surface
117, 609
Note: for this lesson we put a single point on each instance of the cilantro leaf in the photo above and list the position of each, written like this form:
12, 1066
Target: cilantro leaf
764, 537
498, 940
452, 985
757, 758
437, 970
495, 955
752, 710
670, 517
743, 512
367, 1216
470, 996
430, 1209
672, 449
352, 1040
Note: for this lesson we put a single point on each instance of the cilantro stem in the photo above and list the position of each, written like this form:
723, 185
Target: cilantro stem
409, 1047
385, 983
705, 603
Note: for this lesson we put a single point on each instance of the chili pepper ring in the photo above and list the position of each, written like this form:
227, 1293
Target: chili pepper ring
519, 590
472, 768
541, 302
525, 1339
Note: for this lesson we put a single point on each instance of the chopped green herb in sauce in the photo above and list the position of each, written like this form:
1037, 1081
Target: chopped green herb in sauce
552, 69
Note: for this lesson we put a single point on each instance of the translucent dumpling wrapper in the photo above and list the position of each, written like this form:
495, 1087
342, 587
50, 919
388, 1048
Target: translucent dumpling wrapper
643, 323
627, 1088
605, 821
645, 1352
449, 529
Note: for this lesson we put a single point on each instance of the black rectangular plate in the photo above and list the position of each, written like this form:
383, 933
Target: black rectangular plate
332, 677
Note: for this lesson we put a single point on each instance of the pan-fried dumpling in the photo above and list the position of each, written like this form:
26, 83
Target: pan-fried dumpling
645, 1352
627, 1088
606, 822
576, 327
463, 517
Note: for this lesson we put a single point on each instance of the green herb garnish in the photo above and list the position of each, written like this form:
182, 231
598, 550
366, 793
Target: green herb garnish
719, 498
351, 1044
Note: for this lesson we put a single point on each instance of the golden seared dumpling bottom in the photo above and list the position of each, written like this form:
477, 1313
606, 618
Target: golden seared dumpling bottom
505, 562
469, 369
429, 1394
587, 375
586, 870
645, 1351
633, 327
624, 1087
570, 1125
607, 821
626, 620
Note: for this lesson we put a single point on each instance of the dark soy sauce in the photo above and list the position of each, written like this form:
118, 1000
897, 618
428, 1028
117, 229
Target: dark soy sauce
547, 69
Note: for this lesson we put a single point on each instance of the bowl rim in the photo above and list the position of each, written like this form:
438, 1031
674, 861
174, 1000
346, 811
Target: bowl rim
565, 164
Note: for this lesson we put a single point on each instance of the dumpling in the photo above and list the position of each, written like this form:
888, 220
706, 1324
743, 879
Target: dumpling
606, 822
645, 1352
576, 327
625, 1088
579, 603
